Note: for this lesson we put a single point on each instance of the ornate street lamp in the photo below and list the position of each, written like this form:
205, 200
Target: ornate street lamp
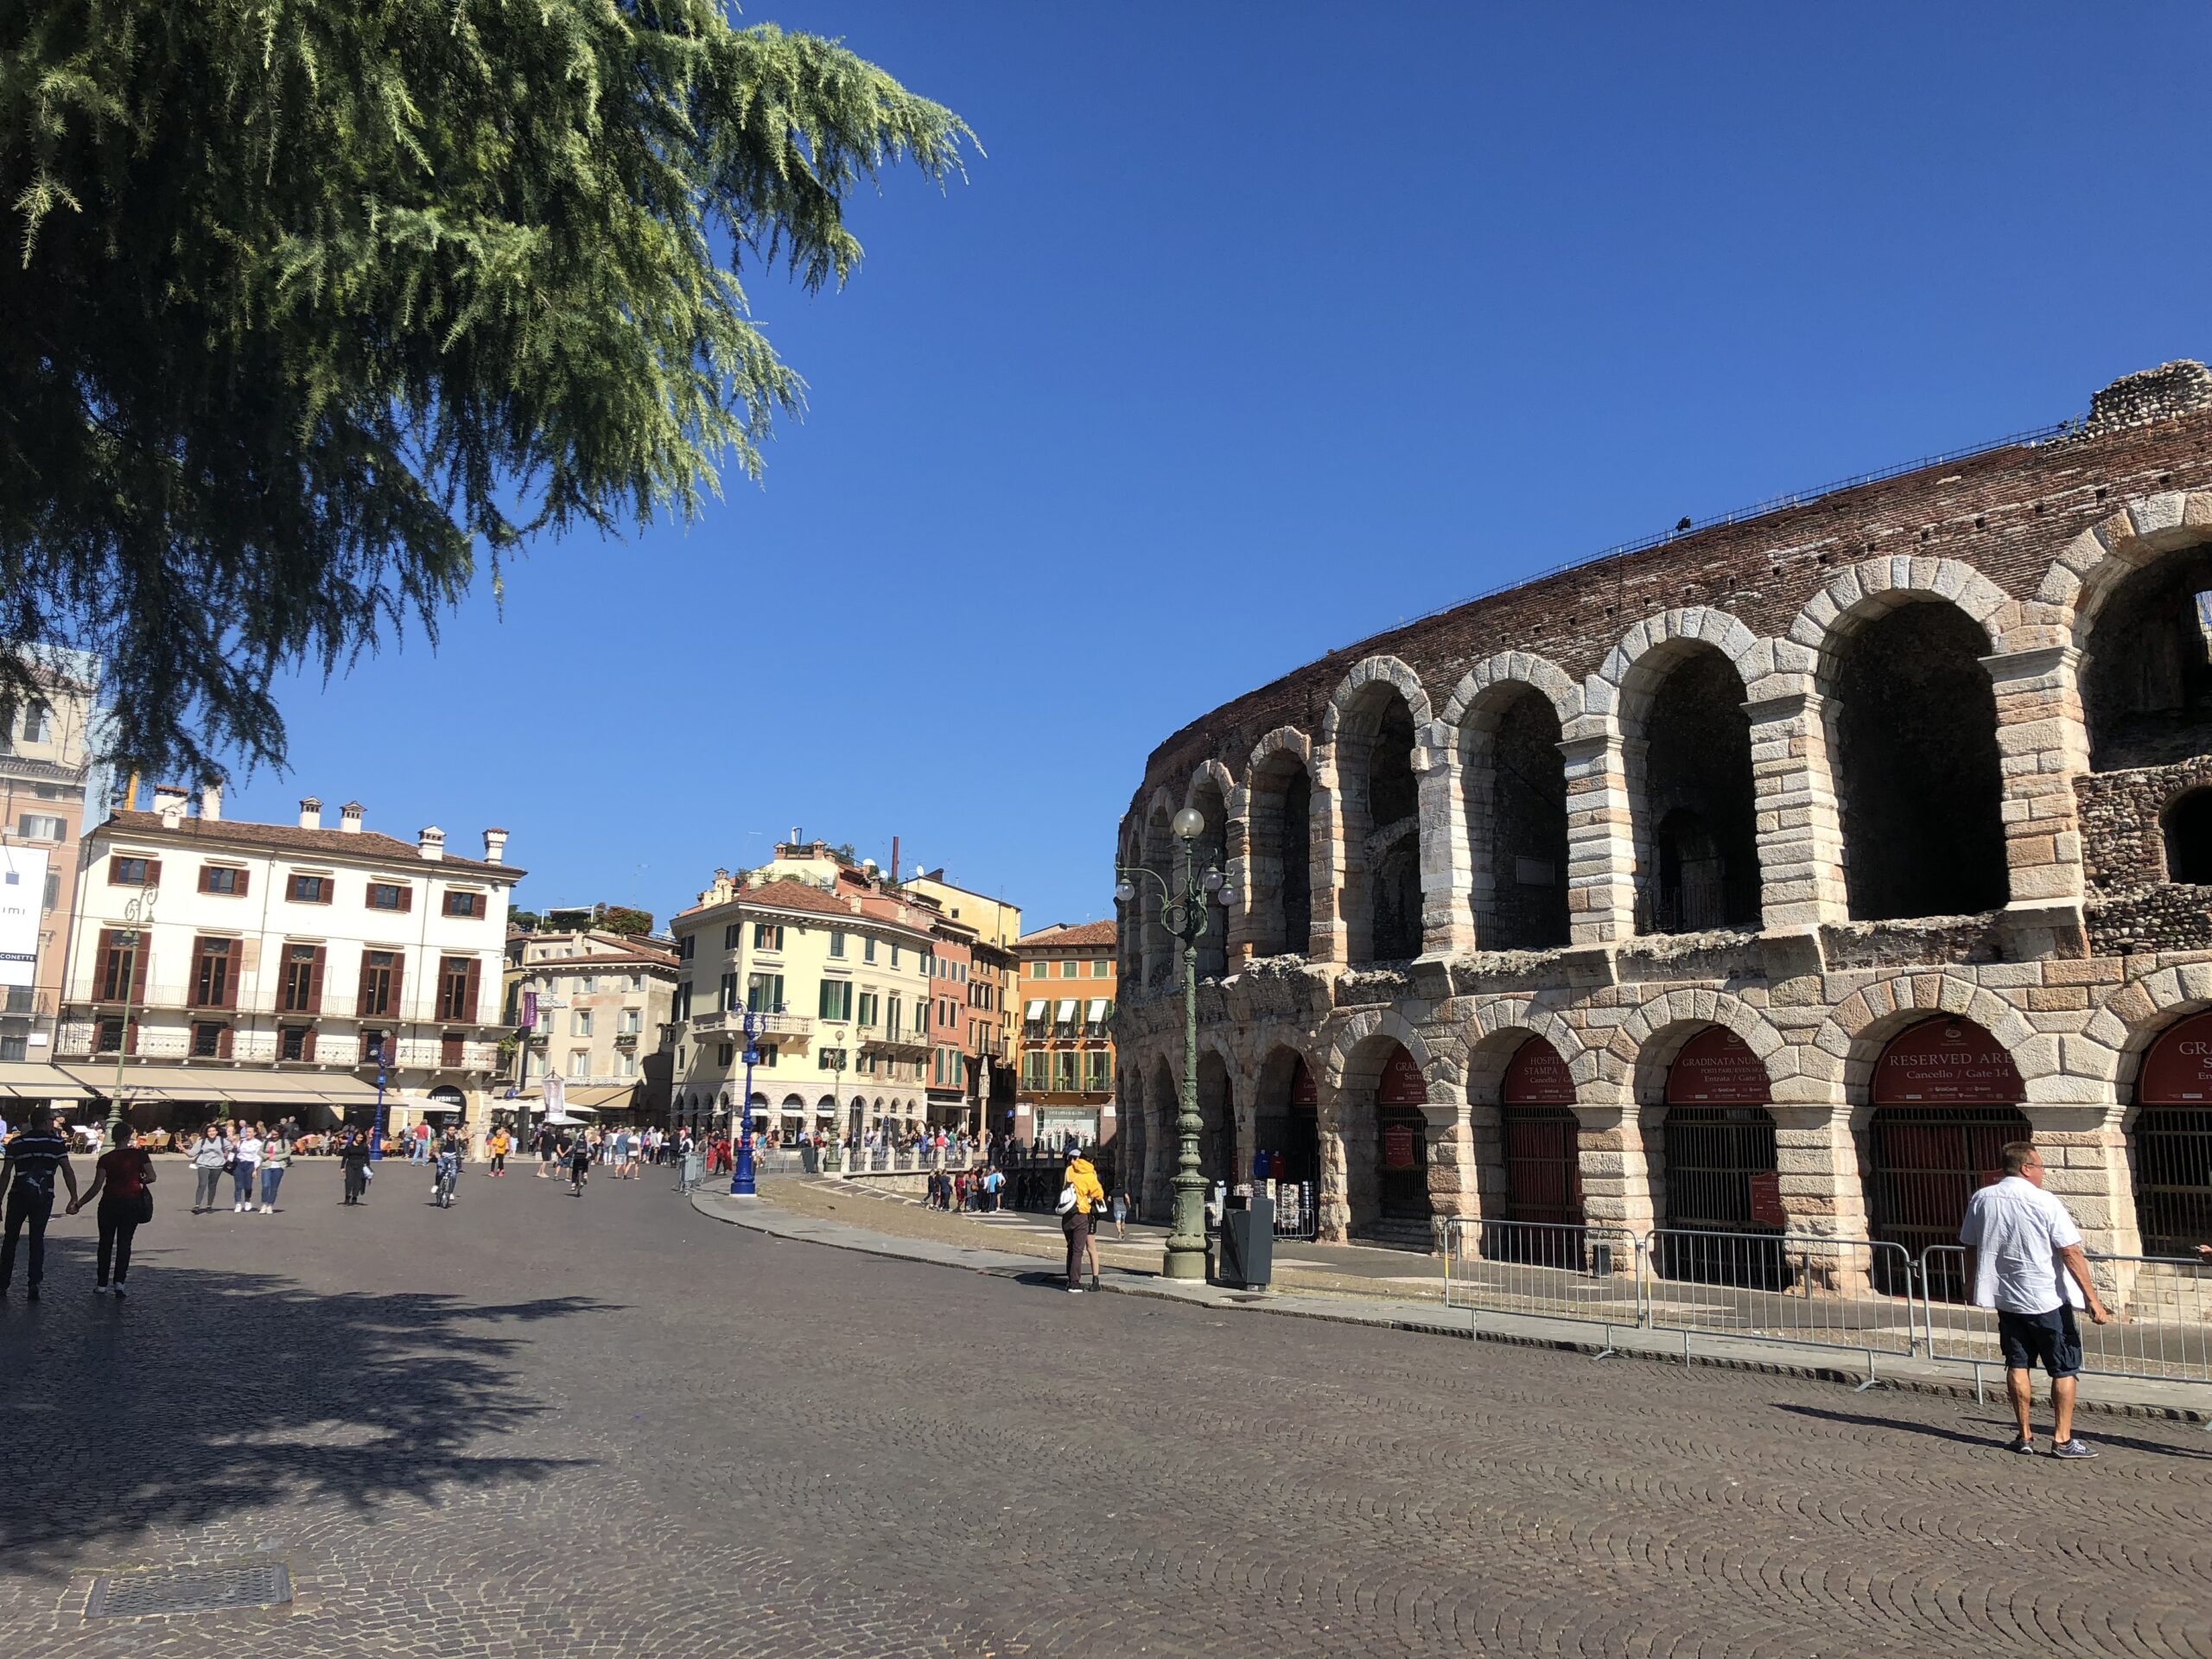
1186, 914
741, 1184
137, 917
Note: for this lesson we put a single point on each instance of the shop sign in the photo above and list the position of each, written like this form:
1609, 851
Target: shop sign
1302, 1092
2178, 1072
1717, 1068
1536, 1076
1766, 1199
1947, 1062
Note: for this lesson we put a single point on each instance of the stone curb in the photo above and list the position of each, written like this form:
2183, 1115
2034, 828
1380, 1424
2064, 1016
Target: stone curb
1377, 1314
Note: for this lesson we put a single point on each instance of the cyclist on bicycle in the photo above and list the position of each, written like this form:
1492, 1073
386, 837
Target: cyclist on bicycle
447, 1187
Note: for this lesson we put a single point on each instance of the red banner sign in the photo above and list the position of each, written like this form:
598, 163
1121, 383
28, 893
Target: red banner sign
1302, 1092
1536, 1076
1398, 1145
1945, 1062
2178, 1072
1402, 1084
1766, 1199
1717, 1068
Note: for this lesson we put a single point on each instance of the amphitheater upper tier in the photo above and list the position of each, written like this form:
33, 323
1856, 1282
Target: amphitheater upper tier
1930, 753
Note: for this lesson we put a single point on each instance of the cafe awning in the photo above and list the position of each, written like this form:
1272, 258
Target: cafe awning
189, 1083
36, 1080
1034, 1011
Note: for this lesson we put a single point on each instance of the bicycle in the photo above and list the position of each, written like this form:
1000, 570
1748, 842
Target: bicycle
449, 1178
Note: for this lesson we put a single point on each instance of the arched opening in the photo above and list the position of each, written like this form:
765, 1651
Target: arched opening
2169, 1145
1401, 1209
1696, 821
2186, 826
1129, 931
1165, 1103
1539, 1137
1719, 1170
1918, 771
1218, 1115
1382, 826
1946, 1103
2147, 666
1286, 1131
793, 1115
1515, 784
1211, 852
1160, 858
1279, 861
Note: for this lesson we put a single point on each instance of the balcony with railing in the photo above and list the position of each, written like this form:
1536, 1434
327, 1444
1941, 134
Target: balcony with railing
730, 1022
172, 997
333, 1051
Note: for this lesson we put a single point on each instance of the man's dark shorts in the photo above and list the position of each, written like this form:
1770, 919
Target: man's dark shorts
2051, 1340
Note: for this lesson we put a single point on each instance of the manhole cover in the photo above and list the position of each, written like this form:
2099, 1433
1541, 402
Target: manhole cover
189, 1590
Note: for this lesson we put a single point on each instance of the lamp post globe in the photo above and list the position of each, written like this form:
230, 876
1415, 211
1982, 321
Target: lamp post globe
1189, 824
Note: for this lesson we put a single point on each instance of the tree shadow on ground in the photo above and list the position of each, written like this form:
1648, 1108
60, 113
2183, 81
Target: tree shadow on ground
215, 1395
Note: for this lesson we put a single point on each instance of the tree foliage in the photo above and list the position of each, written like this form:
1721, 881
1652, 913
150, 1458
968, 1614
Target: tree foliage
625, 919
311, 304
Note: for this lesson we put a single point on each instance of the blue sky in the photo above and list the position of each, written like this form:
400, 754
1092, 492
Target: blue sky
1261, 329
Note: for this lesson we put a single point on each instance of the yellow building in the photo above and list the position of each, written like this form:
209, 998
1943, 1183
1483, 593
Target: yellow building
1066, 1036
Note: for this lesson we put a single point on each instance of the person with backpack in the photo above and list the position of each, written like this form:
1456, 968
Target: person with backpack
210, 1158
1081, 1195
123, 1181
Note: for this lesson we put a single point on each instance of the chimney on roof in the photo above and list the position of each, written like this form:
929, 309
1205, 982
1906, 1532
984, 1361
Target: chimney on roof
495, 846
169, 804
310, 813
349, 817
431, 843
210, 803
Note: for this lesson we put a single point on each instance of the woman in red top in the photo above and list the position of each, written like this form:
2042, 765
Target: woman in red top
121, 1181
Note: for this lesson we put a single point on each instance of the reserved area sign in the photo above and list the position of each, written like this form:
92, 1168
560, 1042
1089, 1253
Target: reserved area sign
1945, 1062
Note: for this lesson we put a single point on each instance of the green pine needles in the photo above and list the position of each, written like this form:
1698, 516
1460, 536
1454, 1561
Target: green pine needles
306, 301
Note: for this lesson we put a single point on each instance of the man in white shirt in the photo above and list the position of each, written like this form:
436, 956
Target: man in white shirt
2028, 1264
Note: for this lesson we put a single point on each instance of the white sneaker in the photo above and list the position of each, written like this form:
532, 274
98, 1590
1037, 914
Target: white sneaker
264, 1209
238, 1209
1075, 1290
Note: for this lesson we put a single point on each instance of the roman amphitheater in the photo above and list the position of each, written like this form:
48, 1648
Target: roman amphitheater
1770, 875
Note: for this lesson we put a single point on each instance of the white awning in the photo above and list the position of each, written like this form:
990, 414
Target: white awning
35, 1080
1097, 1010
1034, 1010
1065, 1015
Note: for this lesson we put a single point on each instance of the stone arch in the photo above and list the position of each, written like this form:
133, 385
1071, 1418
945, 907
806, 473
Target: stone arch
1355, 1186
1841, 1059
2131, 1018
1634, 666
1275, 805
1163, 1100
1525, 667
1129, 930
1159, 953
1495, 1025
2088, 569
1863, 592
1655, 1033
1374, 734
1370, 671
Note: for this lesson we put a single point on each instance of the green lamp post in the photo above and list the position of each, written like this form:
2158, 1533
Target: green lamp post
1186, 912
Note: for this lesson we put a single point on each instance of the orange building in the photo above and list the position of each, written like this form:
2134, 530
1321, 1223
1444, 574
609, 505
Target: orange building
1065, 1066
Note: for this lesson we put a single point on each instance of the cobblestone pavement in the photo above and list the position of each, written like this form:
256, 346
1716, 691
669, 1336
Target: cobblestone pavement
539, 1425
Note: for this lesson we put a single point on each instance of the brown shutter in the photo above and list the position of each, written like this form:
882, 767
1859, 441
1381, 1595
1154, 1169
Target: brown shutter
130, 1037
206, 877
153, 872
223, 1043
398, 984
245, 882
406, 899
315, 980
306, 1042
470, 1011
361, 1008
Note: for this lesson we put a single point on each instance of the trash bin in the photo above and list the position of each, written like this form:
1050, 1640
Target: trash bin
1247, 1242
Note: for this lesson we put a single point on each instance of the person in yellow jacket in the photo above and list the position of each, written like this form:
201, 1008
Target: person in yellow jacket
1081, 1199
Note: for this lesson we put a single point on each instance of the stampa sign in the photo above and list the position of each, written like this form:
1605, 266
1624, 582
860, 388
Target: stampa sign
23, 894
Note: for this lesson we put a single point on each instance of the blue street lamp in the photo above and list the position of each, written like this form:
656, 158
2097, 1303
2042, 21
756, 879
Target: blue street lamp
375, 1131
740, 1179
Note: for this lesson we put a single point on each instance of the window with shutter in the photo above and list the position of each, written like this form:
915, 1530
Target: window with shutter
214, 973
390, 895
301, 989
223, 879
465, 903
380, 992
125, 871
449, 1052
122, 966
457, 981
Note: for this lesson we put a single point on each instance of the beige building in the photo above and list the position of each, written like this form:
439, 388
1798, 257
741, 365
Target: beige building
985, 997
591, 1008
49, 784
264, 970
838, 974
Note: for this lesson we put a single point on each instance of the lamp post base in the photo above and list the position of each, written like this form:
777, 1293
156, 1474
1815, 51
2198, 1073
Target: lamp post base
1184, 1259
741, 1184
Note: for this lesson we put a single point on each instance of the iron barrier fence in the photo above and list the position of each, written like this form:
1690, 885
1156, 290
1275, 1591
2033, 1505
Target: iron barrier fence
2160, 1330
1590, 1275
1806, 1289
